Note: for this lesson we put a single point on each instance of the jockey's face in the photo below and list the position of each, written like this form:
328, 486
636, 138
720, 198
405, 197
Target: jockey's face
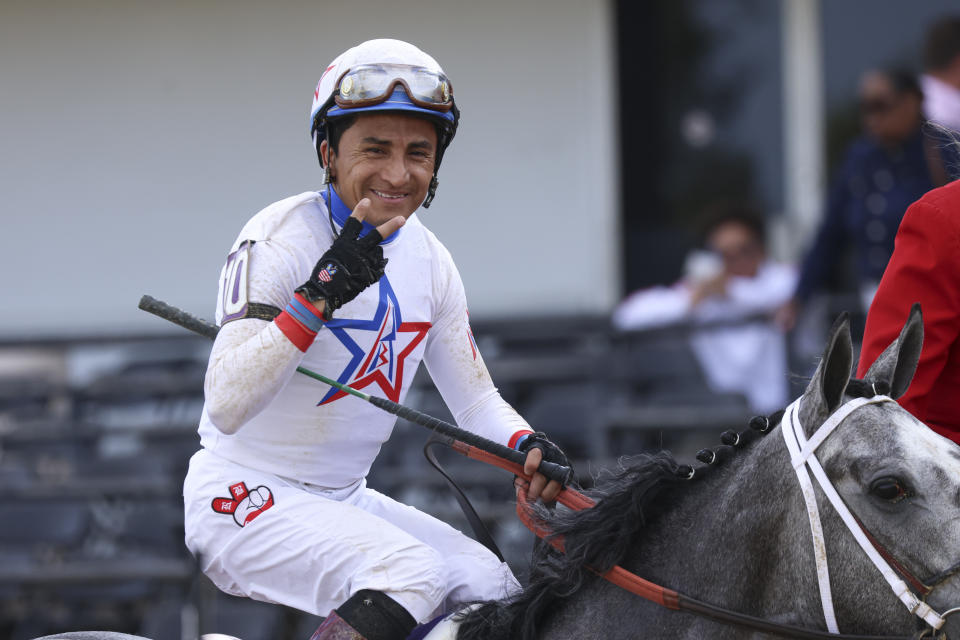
388, 158
738, 247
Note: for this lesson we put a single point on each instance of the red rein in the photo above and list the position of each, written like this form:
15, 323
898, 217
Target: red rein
572, 499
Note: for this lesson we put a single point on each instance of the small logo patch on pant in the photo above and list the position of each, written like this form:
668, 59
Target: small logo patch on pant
244, 505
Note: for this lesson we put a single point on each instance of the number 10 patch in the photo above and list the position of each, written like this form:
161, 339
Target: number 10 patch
234, 300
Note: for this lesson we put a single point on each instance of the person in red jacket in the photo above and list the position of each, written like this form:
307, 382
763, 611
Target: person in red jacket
925, 268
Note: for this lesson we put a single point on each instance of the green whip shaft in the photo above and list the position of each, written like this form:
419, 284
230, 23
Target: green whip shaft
189, 321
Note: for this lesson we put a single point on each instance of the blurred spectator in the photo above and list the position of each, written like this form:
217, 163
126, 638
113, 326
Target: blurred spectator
735, 286
925, 268
884, 171
941, 77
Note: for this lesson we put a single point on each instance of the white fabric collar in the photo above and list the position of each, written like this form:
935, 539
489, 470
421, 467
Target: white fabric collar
941, 102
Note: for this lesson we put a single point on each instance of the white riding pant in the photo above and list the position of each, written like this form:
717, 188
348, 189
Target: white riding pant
312, 548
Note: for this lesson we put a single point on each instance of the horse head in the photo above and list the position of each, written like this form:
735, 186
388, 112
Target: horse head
899, 478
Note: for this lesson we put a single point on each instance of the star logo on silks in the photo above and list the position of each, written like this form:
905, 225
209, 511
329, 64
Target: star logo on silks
393, 341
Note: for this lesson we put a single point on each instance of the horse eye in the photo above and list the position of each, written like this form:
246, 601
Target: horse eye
889, 489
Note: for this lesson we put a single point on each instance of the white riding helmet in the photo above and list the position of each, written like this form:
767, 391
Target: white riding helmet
386, 75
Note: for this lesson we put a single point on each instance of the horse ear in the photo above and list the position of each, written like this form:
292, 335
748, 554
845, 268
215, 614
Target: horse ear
830, 380
898, 362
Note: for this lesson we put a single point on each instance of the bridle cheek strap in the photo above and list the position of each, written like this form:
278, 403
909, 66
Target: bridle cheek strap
794, 445
802, 456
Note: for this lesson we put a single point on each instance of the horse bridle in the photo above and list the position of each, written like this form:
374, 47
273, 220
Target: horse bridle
802, 458
802, 455
923, 587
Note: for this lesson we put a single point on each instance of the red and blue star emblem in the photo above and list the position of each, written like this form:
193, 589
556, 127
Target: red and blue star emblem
383, 363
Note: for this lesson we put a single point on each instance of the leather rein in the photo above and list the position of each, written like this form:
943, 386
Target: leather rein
669, 598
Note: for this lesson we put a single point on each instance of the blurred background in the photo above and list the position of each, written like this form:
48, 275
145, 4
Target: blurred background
603, 146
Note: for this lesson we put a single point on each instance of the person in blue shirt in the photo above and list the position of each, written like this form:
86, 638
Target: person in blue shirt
885, 170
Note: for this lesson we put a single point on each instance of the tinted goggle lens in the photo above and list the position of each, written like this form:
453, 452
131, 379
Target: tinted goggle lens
368, 84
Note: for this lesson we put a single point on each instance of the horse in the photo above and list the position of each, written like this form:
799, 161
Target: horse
740, 534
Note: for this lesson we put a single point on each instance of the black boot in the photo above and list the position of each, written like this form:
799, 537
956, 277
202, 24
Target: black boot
367, 615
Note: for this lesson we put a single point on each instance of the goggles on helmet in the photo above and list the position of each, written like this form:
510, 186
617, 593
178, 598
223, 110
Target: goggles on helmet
369, 84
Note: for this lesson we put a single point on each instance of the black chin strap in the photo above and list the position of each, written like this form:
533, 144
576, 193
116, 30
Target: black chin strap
333, 227
431, 190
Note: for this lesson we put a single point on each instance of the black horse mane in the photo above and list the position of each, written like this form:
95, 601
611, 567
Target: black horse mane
599, 537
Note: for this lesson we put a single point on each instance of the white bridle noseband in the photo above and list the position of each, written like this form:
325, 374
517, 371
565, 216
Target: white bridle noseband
803, 455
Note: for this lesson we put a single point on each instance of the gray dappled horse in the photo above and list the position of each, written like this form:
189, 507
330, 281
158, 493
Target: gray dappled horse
738, 535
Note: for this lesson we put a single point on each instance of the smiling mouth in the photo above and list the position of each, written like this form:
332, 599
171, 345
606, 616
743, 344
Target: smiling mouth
394, 197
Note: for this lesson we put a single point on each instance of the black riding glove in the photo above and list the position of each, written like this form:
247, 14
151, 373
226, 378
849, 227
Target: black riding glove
349, 266
551, 452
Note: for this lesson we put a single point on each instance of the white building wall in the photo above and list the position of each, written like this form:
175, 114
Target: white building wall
138, 137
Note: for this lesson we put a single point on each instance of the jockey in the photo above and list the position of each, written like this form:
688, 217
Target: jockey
346, 281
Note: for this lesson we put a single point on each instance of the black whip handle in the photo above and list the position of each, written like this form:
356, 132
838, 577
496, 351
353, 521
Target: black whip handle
178, 316
551, 470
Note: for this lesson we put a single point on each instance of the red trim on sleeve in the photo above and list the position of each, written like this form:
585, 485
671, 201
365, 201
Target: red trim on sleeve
519, 434
299, 335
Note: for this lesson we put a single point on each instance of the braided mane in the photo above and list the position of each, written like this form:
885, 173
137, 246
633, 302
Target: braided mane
599, 537
626, 502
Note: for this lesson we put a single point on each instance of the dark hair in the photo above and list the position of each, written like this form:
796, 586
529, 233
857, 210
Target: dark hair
942, 44
335, 129
723, 213
903, 81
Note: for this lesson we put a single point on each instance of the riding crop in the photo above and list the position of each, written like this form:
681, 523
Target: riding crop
461, 440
